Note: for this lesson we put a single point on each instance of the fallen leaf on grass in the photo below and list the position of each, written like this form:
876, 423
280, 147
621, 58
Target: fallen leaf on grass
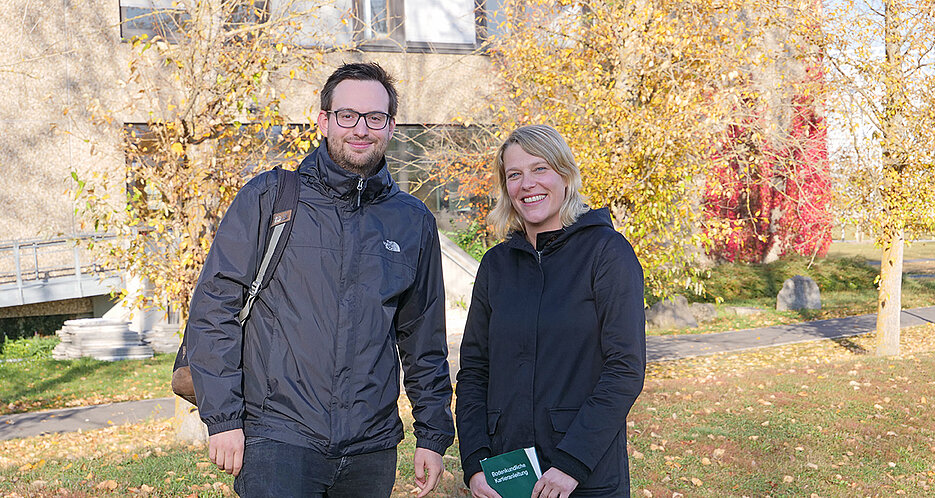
109, 485
223, 488
696, 481
639, 456
705, 461
787, 479
203, 465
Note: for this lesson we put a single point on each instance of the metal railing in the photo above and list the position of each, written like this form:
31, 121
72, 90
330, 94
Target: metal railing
35, 260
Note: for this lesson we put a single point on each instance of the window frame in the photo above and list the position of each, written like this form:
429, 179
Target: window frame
396, 26
394, 42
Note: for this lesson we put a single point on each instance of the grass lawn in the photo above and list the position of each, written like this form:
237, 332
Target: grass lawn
823, 417
847, 286
39, 382
870, 252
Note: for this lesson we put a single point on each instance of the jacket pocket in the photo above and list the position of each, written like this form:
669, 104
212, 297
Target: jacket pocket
496, 438
493, 417
607, 473
561, 418
390, 273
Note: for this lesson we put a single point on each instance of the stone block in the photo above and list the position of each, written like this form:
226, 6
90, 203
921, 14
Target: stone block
671, 313
703, 312
190, 426
742, 310
798, 293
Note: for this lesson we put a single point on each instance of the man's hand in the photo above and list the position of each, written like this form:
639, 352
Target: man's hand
554, 484
225, 449
480, 488
429, 468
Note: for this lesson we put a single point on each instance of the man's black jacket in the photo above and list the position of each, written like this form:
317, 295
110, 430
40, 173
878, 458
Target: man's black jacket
316, 364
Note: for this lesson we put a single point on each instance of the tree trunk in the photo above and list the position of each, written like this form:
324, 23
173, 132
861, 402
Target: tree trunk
889, 303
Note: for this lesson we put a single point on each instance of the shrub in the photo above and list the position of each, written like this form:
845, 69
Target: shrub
29, 348
473, 239
740, 281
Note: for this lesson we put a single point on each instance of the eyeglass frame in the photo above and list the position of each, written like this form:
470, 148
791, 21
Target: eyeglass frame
361, 115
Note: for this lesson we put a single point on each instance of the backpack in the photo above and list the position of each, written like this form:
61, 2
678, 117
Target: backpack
284, 206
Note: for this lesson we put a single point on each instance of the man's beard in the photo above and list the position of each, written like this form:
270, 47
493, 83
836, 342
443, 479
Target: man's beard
361, 165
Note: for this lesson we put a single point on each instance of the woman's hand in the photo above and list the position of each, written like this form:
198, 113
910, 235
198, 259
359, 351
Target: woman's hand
480, 488
553, 484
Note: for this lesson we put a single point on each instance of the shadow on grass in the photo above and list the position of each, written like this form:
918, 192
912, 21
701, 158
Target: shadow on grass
72, 372
850, 346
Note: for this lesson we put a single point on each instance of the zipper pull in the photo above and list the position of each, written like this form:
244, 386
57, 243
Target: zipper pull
360, 189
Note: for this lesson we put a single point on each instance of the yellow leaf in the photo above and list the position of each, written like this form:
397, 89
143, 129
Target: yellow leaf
178, 149
109, 485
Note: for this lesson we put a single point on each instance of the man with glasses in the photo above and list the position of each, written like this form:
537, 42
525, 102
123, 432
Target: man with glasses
302, 400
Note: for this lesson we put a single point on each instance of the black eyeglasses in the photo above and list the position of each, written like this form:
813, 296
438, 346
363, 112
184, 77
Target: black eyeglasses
348, 118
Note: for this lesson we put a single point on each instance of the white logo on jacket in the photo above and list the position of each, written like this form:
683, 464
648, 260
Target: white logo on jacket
391, 245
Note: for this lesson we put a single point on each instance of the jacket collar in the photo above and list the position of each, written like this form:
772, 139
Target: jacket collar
551, 241
338, 183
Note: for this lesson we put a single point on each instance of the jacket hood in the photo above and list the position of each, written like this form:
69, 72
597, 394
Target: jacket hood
322, 173
590, 218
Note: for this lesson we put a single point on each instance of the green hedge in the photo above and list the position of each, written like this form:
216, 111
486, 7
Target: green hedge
738, 281
29, 326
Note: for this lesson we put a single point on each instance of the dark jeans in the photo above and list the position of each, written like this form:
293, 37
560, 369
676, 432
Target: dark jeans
275, 469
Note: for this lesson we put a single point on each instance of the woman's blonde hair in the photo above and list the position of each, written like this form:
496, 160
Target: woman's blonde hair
545, 142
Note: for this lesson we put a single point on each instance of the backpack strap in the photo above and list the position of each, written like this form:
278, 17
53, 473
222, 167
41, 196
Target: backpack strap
287, 199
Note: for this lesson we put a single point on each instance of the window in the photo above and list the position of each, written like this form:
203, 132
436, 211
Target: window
165, 18
449, 26
150, 17
441, 23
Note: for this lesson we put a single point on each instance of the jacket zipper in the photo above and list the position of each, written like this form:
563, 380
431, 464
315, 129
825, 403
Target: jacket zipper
360, 189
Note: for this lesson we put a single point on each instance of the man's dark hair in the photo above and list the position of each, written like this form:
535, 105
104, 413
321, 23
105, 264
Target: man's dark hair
362, 72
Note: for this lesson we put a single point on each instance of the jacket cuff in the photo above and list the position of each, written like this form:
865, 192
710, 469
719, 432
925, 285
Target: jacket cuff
470, 464
571, 466
436, 446
224, 426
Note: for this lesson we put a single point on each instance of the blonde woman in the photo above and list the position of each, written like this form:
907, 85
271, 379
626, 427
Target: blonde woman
554, 348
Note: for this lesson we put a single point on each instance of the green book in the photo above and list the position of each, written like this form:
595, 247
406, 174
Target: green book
513, 474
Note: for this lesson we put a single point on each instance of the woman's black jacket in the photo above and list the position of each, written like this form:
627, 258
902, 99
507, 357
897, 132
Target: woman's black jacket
554, 353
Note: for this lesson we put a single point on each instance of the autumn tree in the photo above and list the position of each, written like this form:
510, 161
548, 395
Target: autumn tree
882, 56
209, 87
645, 93
772, 194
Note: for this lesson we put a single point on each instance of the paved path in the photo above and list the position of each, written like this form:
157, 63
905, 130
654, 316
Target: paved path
657, 348
84, 417
682, 346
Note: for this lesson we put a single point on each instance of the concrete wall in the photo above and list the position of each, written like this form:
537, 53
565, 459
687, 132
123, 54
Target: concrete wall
53, 55
57, 57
